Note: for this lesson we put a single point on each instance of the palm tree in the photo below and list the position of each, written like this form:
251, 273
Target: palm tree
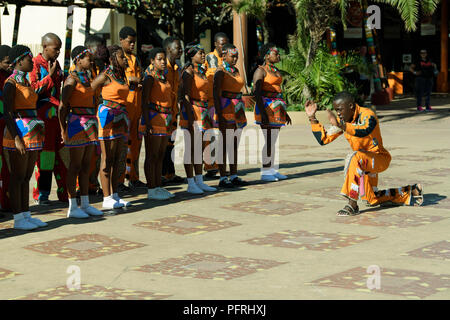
315, 16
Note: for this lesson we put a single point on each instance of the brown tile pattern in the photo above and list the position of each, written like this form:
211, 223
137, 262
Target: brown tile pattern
209, 266
389, 219
270, 185
417, 158
6, 274
271, 207
84, 246
439, 250
327, 192
300, 239
407, 283
442, 172
187, 224
92, 292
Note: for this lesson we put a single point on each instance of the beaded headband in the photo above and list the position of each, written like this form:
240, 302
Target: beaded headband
231, 50
82, 53
23, 55
272, 49
197, 47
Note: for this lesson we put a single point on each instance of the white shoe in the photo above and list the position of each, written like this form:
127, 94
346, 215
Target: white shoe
111, 204
269, 178
36, 221
280, 176
121, 201
171, 195
92, 211
156, 194
77, 213
194, 189
205, 187
21, 223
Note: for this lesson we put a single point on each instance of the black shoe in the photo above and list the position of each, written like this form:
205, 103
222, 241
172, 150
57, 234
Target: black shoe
43, 202
123, 188
137, 184
239, 182
211, 173
226, 184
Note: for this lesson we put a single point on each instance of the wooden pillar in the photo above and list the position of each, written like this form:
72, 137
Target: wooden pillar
442, 81
16, 24
240, 41
188, 21
87, 30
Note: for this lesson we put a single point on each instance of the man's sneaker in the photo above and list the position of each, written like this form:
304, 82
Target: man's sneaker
77, 213
194, 189
156, 194
42, 202
92, 211
280, 176
269, 178
21, 223
226, 183
205, 187
419, 108
123, 188
137, 184
171, 195
36, 221
239, 182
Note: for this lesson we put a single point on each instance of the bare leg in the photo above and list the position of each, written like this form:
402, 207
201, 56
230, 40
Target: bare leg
85, 169
76, 158
32, 157
19, 166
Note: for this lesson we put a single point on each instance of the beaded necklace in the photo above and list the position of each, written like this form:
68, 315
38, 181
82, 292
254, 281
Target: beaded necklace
114, 74
20, 77
160, 75
228, 67
84, 78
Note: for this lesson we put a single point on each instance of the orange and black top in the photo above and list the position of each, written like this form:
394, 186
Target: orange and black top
232, 85
116, 91
200, 89
363, 132
161, 95
25, 97
272, 83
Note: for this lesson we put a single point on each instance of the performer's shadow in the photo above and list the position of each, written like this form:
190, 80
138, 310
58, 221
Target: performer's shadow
432, 199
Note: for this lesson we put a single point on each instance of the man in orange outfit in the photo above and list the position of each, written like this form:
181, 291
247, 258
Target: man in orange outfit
361, 129
127, 36
213, 61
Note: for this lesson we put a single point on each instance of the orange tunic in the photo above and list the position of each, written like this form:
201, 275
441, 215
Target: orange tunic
213, 61
134, 96
28, 126
231, 103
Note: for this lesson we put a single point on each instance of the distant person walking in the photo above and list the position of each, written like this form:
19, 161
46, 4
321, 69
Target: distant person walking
423, 69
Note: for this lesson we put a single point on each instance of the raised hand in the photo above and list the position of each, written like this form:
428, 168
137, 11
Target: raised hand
332, 118
310, 108
52, 67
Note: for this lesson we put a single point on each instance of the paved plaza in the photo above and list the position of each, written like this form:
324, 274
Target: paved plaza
278, 240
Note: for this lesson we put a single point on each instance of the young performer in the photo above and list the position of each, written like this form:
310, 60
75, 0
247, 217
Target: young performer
5, 71
361, 128
133, 73
270, 108
79, 124
23, 137
230, 113
174, 50
113, 125
46, 79
213, 61
196, 115
157, 115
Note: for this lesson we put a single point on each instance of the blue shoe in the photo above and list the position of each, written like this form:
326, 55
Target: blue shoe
269, 178
280, 176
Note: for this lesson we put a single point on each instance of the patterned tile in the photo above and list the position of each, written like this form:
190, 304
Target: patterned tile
187, 224
389, 219
417, 158
186, 197
439, 250
385, 182
91, 292
270, 185
443, 172
326, 193
271, 207
437, 151
84, 246
6, 274
209, 266
400, 282
299, 239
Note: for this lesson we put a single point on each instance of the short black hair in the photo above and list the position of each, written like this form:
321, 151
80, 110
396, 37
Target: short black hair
92, 40
155, 51
4, 51
263, 51
168, 41
127, 31
219, 35
77, 50
17, 51
345, 96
